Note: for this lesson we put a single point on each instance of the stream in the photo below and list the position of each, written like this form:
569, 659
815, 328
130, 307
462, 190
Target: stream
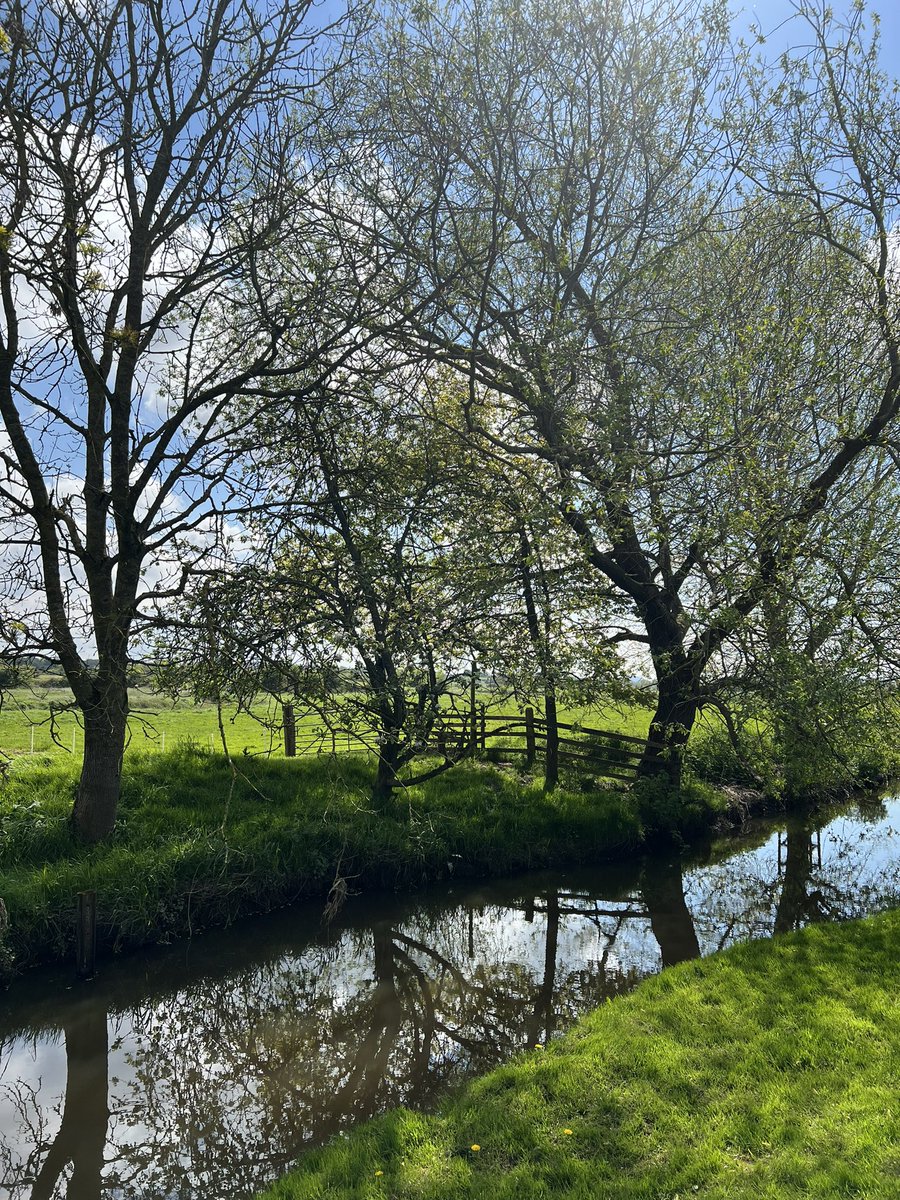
202, 1070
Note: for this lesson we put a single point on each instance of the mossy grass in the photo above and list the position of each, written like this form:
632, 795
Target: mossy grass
768, 1071
198, 844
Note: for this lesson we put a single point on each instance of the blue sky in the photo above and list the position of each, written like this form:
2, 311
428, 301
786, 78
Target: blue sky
770, 14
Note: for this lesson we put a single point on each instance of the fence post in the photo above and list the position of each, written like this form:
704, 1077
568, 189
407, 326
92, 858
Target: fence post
483, 730
473, 713
529, 737
86, 935
290, 731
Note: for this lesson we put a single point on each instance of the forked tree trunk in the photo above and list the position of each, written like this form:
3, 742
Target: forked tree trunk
97, 799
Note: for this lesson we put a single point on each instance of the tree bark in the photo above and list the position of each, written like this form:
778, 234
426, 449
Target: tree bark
386, 775
551, 767
97, 799
677, 705
540, 640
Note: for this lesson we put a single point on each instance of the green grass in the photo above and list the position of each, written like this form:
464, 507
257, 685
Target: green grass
158, 723
195, 847
769, 1071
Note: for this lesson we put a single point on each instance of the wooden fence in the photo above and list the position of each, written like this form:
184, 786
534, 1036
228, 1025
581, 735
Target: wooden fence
600, 751
500, 737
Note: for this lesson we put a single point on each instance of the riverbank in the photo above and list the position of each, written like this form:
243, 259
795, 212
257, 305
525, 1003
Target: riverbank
198, 845
766, 1071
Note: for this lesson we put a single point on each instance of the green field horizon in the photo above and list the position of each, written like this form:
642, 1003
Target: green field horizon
34, 720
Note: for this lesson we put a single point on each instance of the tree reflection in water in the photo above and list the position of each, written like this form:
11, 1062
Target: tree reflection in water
220, 1072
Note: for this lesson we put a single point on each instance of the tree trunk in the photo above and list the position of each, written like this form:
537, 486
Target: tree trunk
676, 710
386, 774
97, 799
551, 770
540, 640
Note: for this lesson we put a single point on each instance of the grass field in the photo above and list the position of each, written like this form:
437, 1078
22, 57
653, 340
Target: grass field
158, 724
768, 1072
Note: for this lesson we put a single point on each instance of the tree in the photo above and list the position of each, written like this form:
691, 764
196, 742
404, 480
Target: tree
642, 324
542, 628
813, 674
143, 180
393, 551
355, 516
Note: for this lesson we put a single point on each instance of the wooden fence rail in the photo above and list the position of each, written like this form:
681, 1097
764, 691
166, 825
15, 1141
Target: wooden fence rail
602, 752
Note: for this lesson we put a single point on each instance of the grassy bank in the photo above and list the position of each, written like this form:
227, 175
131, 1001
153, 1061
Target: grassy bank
196, 846
767, 1071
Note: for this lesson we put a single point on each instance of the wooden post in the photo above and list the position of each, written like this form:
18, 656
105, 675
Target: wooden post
86, 935
473, 713
290, 731
483, 730
529, 737
551, 742
442, 739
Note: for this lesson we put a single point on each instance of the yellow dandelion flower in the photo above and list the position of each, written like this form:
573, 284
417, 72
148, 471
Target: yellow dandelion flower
567, 1132
475, 1147
377, 1173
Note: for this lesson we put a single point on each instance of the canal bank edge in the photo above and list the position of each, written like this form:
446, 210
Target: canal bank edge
767, 1070
198, 847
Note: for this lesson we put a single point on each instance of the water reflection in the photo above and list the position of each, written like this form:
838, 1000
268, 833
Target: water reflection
205, 1070
80, 1140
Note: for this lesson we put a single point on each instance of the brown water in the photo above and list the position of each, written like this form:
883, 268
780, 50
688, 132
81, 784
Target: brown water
203, 1070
